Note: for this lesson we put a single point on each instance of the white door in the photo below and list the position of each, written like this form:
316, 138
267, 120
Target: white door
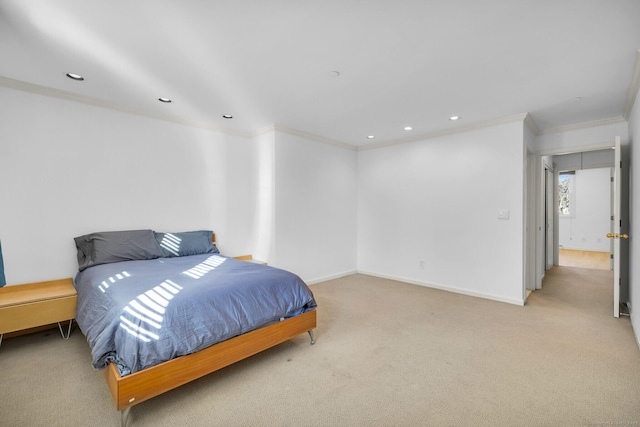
550, 210
620, 228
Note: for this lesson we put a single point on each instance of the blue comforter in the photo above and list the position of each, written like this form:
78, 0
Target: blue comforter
142, 313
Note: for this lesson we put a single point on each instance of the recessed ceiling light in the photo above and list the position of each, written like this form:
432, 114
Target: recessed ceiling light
454, 118
371, 136
77, 77
227, 116
165, 100
408, 128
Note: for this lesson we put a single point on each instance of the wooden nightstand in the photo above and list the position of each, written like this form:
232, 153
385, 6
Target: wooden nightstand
249, 258
37, 304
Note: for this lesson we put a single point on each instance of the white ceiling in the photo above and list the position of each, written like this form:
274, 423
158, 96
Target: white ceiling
402, 62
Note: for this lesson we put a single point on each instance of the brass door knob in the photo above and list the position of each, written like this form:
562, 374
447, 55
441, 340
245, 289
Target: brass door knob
617, 236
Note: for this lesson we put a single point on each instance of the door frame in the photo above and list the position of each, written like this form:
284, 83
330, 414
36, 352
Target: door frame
549, 217
539, 217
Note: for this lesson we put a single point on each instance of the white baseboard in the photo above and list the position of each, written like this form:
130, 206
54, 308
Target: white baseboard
446, 288
332, 277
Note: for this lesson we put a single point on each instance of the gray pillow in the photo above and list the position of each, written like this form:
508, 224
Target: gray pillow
186, 243
115, 246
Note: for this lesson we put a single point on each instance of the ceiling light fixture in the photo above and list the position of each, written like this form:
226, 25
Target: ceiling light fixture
454, 118
371, 136
227, 116
77, 77
165, 100
408, 128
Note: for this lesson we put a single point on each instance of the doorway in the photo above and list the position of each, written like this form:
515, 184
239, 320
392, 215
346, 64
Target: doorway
585, 217
585, 213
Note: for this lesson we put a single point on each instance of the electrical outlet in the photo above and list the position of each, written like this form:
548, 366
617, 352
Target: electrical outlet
503, 213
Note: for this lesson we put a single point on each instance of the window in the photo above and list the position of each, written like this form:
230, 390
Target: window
566, 193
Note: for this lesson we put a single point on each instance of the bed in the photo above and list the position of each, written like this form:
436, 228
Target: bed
162, 309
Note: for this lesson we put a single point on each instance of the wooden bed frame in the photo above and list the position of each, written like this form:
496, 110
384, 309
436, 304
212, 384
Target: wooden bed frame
143, 385
139, 386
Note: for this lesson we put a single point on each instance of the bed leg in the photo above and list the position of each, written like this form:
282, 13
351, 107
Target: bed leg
124, 416
312, 335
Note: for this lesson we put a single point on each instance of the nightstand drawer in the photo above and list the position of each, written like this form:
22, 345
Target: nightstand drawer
36, 304
30, 315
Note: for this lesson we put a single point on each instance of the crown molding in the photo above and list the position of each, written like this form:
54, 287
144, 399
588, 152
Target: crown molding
438, 134
95, 102
526, 117
310, 136
632, 93
585, 125
263, 131
531, 124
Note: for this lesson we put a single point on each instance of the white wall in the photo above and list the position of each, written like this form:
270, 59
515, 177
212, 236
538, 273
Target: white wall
264, 214
315, 207
436, 201
590, 220
634, 215
67, 169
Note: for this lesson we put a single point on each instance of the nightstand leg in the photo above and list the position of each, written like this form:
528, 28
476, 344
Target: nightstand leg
68, 331
1, 335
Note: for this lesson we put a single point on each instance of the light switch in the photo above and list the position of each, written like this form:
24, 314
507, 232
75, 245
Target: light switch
503, 213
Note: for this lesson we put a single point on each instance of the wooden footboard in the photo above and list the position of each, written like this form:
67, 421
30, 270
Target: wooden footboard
140, 386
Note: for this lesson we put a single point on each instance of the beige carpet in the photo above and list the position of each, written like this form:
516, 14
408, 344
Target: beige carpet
387, 354
584, 259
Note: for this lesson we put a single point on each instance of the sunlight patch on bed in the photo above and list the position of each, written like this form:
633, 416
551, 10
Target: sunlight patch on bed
171, 243
205, 266
111, 280
137, 331
143, 316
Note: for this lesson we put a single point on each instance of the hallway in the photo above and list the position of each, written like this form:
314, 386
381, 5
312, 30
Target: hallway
585, 259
